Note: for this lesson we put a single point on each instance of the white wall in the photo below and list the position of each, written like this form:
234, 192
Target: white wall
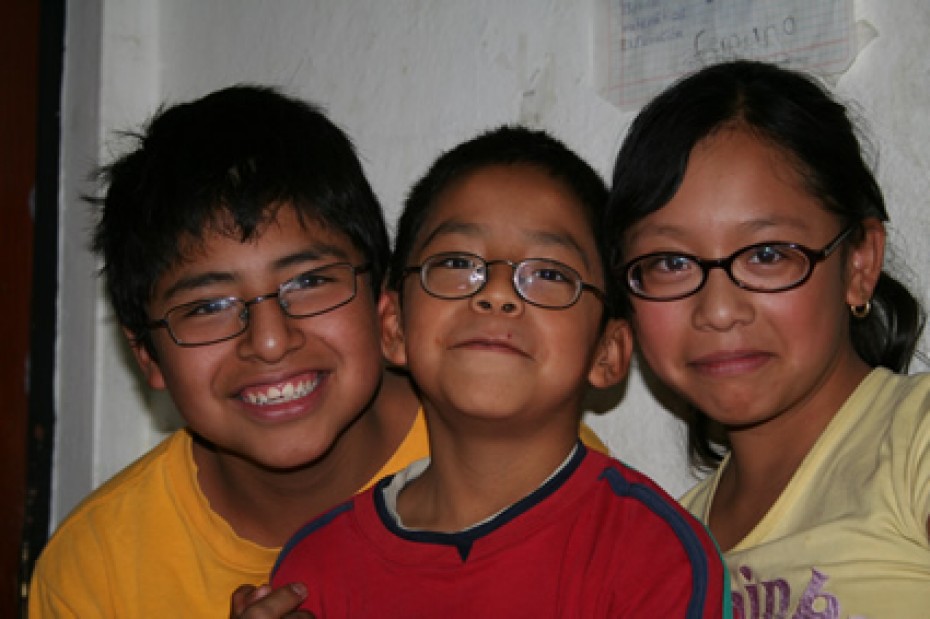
406, 79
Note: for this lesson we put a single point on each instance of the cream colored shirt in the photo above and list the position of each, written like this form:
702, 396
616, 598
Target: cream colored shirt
848, 536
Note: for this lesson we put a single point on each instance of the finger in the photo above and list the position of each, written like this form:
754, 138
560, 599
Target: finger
281, 603
241, 598
257, 594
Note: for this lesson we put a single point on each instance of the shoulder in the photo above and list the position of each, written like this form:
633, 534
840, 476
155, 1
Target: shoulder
133, 486
625, 481
636, 493
909, 398
84, 543
895, 406
900, 393
646, 530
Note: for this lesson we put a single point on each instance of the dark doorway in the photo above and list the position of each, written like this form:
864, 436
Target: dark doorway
19, 44
31, 42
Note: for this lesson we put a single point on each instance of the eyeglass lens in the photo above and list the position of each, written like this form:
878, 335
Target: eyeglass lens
546, 283
766, 267
309, 294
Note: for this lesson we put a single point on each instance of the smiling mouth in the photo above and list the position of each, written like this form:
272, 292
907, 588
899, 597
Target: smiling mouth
492, 346
281, 394
725, 364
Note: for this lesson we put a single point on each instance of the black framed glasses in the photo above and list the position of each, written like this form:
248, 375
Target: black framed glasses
761, 267
539, 281
314, 292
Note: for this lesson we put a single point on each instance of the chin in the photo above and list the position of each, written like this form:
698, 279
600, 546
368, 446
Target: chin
298, 456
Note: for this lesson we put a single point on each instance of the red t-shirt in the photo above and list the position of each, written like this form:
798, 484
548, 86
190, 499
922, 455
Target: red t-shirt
596, 540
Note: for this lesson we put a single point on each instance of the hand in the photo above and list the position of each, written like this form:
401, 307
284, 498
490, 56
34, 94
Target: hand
251, 602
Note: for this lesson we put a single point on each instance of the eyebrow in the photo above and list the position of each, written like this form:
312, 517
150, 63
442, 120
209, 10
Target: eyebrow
315, 253
452, 226
542, 237
753, 225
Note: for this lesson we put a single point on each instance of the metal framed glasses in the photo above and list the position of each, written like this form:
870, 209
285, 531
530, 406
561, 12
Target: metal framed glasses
761, 267
538, 281
208, 321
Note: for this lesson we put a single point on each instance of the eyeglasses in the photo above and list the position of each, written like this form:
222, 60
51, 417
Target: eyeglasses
538, 281
762, 267
208, 321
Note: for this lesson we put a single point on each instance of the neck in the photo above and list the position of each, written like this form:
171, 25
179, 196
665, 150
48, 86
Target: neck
765, 457
782, 442
267, 505
473, 475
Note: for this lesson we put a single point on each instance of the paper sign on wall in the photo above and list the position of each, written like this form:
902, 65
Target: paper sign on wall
644, 45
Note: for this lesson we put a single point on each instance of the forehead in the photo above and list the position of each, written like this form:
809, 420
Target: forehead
281, 242
277, 223
504, 196
737, 181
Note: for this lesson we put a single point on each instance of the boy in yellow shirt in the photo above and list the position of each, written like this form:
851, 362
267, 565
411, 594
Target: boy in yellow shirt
243, 251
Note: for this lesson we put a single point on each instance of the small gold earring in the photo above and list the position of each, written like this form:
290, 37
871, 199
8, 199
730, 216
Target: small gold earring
860, 311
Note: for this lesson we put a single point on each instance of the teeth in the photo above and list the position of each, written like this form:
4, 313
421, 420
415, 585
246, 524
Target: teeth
288, 392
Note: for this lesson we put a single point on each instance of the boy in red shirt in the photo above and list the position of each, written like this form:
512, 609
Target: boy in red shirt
499, 304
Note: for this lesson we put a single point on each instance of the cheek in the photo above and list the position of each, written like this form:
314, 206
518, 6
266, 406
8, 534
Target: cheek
192, 374
658, 328
357, 331
808, 321
423, 314
423, 326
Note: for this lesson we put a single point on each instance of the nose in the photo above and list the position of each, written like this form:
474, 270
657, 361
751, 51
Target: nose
271, 334
721, 304
498, 293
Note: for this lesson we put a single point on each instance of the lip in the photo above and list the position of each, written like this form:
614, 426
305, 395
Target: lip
730, 362
277, 399
494, 344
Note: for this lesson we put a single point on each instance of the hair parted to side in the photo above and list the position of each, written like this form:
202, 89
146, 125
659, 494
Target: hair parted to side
505, 145
797, 115
225, 163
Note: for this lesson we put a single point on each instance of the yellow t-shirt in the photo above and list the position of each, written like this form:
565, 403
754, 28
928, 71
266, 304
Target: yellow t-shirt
147, 543
848, 537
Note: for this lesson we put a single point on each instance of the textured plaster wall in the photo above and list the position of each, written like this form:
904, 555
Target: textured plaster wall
406, 79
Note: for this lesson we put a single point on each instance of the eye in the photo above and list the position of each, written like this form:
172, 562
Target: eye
207, 307
311, 280
767, 254
553, 273
666, 264
453, 261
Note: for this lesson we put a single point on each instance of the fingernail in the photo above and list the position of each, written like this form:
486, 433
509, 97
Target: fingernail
299, 589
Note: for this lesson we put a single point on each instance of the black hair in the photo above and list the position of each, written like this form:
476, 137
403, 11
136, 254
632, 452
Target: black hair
225, 163
795, 114
506, 145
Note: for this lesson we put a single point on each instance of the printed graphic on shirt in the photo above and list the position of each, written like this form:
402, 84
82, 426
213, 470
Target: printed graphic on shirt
771, 599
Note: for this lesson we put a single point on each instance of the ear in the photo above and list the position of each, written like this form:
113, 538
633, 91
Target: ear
864, 263
392, 333
149, 366
612, 359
